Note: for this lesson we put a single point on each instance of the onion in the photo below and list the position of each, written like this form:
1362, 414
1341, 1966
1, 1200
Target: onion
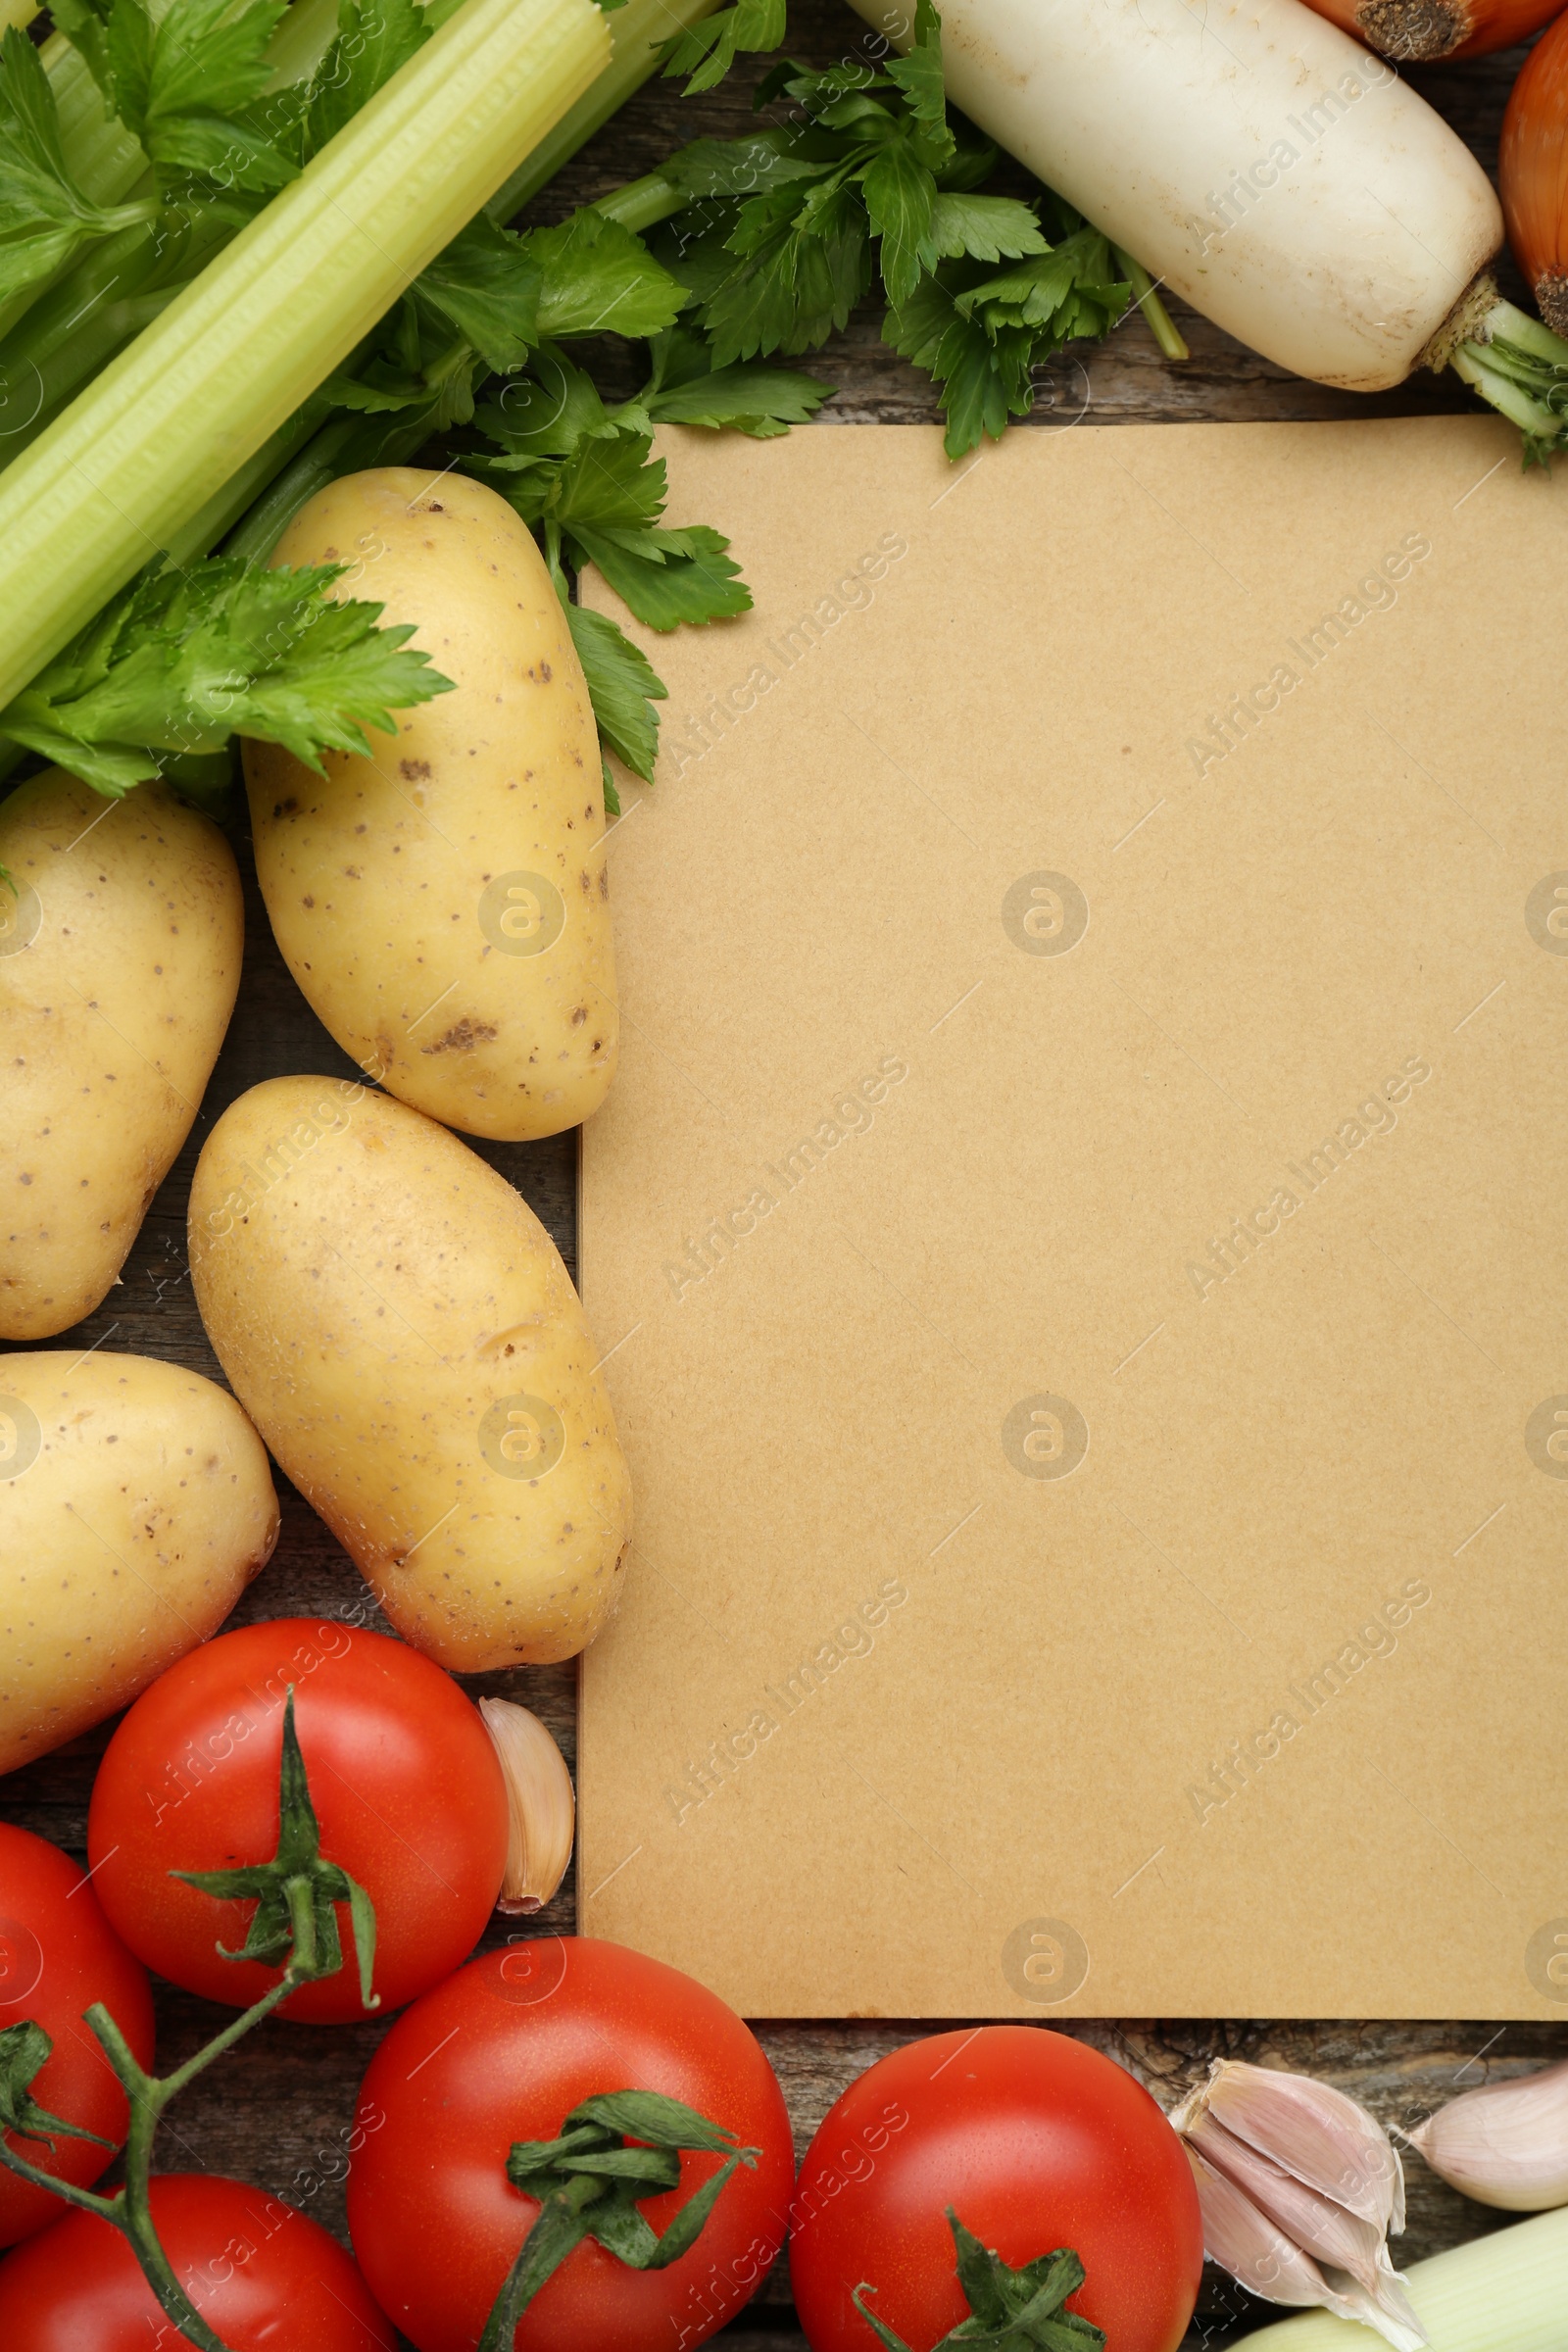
1420, 32
1532, 169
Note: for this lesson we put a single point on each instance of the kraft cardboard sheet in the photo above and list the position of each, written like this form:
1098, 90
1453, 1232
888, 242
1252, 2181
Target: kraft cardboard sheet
1078, 1238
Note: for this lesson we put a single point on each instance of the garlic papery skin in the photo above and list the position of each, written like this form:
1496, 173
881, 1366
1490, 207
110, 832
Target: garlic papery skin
1506, 2144
540, 1801
1324, 2137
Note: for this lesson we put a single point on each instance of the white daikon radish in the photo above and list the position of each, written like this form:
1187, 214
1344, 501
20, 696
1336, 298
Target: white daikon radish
1253, 156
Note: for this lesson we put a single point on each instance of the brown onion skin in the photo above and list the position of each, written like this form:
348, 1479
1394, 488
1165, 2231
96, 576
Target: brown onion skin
1496, 25
1533, 173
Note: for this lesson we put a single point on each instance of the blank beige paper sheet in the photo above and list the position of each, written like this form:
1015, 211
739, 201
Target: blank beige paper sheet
1079, 1235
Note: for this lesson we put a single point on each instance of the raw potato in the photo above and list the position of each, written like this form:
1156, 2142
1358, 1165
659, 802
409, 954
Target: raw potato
135, 1507
119, 957
399, 1326
444, 903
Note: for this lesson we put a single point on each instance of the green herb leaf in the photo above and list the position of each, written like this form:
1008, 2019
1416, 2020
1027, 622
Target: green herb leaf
183, 85
987, 228
685, 388
984, 376
488, 283
179, 661
375, 39
745, 167
601, 279
802, 265
667, 577
706, 51
623, 687
900, 197
919, 77
44, 215
24, 2051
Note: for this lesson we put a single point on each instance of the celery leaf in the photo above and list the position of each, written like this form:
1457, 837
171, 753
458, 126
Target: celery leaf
489, 284
900, 199
375, 37
919, 77
987, 228
181, 84
624, 686
600, 279
668, 579
801, 267
179, 661
44, 213
706, 51
685, 388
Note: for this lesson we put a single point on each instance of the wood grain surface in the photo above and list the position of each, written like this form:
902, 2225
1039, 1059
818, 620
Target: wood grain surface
277, 2111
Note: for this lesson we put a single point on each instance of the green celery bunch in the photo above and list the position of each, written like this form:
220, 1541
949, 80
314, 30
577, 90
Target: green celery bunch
781, 233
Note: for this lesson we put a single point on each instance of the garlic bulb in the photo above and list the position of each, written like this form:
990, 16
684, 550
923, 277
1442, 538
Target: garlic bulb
1504, 2144
540, 1800
1298, 2186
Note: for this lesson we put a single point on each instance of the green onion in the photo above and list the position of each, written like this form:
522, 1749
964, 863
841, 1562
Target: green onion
164, 427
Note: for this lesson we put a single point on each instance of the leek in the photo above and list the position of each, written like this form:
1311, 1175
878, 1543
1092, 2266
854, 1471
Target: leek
1503, 2293
220, 371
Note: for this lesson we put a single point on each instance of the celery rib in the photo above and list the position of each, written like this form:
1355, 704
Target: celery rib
164, 427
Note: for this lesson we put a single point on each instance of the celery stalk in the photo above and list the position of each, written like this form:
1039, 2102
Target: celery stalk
166, 423
638, 32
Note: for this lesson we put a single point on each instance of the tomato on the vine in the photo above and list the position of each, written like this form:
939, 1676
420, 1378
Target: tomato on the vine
58, 1956
502, 2053
1036, 2141
404, 1780
261, 2274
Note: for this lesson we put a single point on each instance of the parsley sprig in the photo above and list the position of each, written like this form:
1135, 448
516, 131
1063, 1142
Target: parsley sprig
181, 660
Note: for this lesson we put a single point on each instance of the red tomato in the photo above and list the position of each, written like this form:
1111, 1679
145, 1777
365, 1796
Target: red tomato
58, 1955
403, 1776
262, 2275
1036, 2141
502, 2053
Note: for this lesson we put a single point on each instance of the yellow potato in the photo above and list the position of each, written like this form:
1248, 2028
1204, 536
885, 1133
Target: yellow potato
443, 904
135, 1507
120, 954
400, 1328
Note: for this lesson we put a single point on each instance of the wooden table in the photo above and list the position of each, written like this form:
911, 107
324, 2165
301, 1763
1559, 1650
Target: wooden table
277, 2112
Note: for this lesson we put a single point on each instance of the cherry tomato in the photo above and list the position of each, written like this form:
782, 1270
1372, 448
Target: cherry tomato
58, 1955
1036, 2141
502, 2053
264, 2278
403, 1776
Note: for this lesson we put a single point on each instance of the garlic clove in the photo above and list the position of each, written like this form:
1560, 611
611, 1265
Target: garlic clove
1246, 2242
1506, 2144
1325, 2139
1317, 2225
1390, 2311
541, 1804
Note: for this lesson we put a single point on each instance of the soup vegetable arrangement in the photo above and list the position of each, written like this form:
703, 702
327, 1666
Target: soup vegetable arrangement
303, 448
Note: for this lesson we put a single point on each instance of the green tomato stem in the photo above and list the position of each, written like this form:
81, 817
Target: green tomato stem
129, 2210
558, 2229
